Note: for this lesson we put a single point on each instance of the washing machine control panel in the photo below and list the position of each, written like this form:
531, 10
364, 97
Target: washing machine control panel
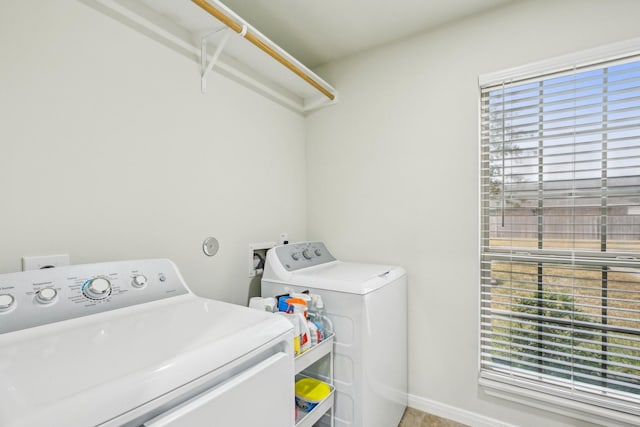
38, 297
302, 255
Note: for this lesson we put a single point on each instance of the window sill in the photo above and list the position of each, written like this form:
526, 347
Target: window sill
559, 405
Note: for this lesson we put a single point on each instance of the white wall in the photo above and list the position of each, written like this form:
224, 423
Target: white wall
109, 151
393, 175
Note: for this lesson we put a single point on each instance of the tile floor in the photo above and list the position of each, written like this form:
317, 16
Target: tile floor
414, 418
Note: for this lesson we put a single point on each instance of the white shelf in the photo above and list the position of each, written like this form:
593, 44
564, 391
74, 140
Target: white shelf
307, 419
314, 354
181, 26
302, 362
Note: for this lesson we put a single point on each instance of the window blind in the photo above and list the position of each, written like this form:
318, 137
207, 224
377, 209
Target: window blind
560, 234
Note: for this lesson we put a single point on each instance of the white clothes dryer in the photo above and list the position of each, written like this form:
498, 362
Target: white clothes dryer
367, 305
128, 344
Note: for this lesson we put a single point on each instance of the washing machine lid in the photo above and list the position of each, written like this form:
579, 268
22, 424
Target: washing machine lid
88, 370
347, 277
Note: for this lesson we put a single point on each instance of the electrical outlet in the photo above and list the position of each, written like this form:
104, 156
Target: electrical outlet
44, 261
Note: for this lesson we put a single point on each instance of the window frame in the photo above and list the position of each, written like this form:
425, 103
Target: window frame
543, 397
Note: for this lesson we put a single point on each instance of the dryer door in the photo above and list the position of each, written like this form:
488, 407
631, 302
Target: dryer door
260, 396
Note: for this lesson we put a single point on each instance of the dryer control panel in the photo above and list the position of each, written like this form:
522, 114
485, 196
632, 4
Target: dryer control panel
302, 255
38, 297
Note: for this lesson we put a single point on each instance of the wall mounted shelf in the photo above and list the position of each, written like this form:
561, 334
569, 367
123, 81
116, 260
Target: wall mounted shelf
231, 47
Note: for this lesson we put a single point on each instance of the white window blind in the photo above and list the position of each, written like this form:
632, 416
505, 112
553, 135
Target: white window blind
560, 234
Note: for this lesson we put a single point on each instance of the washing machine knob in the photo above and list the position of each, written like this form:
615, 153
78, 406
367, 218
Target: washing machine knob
139, 281
318, 252
307, 253
46, 295
7, 301
98, 288
295, 256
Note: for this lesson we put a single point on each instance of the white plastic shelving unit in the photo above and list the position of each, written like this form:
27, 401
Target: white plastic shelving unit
302, 362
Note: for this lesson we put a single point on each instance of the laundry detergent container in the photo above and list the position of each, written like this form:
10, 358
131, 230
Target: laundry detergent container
367, 305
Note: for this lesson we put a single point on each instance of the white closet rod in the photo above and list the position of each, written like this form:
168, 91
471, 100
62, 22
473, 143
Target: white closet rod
269, 50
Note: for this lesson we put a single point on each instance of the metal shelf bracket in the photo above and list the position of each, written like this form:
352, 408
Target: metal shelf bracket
205, 67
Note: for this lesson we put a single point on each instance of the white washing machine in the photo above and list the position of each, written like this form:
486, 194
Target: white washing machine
368, 307
128, 344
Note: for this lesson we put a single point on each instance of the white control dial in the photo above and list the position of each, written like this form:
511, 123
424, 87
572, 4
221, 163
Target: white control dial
307, 253
46, 295
139, 281
295, 256
318, 252
6, 302
98, 288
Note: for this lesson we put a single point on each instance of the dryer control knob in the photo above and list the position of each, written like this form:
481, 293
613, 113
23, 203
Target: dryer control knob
307, 253
98, 288
7, 301
46, 295
139, 281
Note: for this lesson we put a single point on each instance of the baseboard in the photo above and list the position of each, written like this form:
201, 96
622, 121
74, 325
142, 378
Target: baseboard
455, 414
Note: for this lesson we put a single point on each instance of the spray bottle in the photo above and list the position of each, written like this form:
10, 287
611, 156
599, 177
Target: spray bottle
294, 319
318, 316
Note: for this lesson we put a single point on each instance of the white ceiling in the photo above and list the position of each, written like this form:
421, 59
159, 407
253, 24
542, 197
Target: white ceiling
321, 31
312, 32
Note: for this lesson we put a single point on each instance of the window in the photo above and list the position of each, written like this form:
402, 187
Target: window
560, 234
